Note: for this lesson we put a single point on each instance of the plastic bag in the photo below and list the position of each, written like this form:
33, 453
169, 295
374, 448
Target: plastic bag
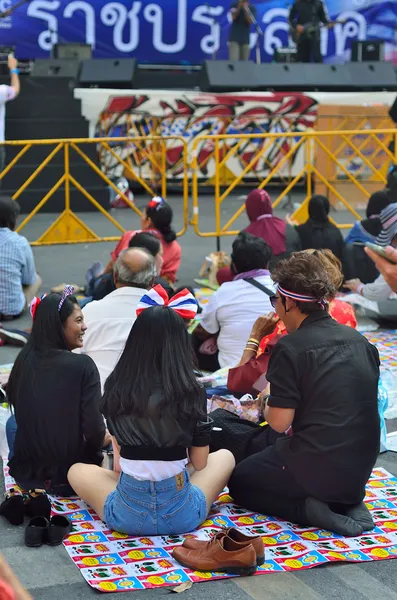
5, 414
383, 402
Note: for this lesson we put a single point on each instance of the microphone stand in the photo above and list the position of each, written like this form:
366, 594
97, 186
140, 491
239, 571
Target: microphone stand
9, 11
214, 22
259, 32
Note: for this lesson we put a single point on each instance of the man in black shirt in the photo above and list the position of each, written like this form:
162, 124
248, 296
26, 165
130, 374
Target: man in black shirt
304, 18
243, 15
323, 393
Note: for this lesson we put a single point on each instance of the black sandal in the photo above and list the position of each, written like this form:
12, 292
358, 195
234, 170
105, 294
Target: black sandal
13, 507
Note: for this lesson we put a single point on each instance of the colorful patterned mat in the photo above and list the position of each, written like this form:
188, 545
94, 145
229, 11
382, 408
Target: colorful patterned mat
111, 562
386, 342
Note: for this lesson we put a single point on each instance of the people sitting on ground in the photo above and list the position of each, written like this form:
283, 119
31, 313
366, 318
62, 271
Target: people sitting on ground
279, 235
369, 228
387, 266
318, 232
19, 281
356, 264
379, 290
254, 361
157, 218
55, 397
235, 306
105, 284
323, 405
109, 320
156, 412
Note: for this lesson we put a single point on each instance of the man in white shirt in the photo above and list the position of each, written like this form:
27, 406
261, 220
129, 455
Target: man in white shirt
235, 306
109, 320
7, 92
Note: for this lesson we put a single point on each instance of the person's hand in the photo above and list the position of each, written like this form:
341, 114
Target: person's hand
12, 62
353, 285
388, 270
300, 28
290, 221
264, 325
107, 439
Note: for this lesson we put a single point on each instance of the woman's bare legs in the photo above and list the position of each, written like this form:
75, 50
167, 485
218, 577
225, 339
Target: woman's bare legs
215, 476
93, 484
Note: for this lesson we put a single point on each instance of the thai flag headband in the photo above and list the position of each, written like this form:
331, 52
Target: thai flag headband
156, 202
183, 303
67, 291
301, 297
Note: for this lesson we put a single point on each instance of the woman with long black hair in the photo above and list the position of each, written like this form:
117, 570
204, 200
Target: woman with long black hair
55, 396
156, 413
318, 232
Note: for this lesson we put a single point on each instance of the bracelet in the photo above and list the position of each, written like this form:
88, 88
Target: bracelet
254, 340
253, 345
14, 71
250, 349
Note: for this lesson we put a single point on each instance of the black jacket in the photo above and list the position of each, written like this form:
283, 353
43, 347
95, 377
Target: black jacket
158, 437
307, 11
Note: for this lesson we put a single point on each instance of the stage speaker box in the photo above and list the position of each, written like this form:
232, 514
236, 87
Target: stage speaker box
56, 68
299, 77
285, 55
108, 73
73, 50
228, 76
364, 51
376, 76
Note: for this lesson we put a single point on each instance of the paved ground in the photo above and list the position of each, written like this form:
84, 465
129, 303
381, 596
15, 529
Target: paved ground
49, 574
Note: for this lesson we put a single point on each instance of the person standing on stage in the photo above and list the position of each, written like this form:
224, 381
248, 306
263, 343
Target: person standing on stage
304, 18
243, 15
7, 92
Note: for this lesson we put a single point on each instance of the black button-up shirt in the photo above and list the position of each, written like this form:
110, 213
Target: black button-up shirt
240, 29
328, 374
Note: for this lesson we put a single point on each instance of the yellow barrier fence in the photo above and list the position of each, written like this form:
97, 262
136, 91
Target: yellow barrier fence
346, 166
68, 227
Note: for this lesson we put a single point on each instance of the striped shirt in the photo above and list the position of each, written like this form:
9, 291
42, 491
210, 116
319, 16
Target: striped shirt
17, 269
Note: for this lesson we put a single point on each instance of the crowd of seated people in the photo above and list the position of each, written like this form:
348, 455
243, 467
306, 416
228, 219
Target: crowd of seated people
123, 371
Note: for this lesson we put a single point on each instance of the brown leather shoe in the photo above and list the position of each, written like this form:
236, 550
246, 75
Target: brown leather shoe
237, 536
218, 555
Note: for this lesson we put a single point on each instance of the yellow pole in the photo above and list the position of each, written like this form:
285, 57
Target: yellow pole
67, 176
217, 199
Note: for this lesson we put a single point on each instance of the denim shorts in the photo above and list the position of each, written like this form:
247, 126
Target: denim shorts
171, 506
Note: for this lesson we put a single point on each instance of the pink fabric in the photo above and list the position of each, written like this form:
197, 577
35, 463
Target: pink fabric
263, 224
171, 253
6, 592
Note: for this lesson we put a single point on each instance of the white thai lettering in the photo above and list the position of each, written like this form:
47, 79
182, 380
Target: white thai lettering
42, 9
89, 13
153, 13
116, 15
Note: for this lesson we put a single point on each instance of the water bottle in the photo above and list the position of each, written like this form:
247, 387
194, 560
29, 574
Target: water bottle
382, 407
389, 381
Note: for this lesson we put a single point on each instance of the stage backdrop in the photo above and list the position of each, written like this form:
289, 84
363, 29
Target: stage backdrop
175, 31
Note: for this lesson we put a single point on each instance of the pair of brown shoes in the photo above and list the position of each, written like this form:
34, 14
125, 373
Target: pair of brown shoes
229, 551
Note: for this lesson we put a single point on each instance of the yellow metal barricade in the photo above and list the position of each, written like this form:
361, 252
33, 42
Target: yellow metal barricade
68, 227
315, 161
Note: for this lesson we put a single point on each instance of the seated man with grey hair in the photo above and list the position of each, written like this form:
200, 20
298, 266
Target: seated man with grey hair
109, 320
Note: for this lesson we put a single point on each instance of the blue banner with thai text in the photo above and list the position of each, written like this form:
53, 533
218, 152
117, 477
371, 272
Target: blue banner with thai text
183, 31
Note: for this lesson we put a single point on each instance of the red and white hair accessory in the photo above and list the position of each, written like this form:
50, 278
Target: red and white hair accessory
68, 290
301, 297
156, 202
34, 304
183, 303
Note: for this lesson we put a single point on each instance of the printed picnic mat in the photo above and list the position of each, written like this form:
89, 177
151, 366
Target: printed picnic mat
386, 342
110, 561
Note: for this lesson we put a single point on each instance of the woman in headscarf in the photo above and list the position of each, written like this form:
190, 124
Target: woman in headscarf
279, 235
318, 232
368, 229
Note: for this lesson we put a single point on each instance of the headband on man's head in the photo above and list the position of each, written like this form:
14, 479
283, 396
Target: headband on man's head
34, 304
67, 291
301, 297
156, 202
183, 303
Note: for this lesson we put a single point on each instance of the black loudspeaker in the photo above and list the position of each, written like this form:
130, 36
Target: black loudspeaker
299, 77
376, 76
56, 68
108, 73
74, 51
368, 51
228, 76
285, 55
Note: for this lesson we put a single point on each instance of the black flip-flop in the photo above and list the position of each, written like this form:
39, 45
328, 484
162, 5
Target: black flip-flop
36, 532
59, 528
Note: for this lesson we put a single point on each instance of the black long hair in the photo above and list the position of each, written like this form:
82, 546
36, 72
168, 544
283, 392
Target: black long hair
47, 337
161, 217
157, 354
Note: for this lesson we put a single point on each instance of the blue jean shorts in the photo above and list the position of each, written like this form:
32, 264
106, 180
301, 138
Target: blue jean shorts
171, 506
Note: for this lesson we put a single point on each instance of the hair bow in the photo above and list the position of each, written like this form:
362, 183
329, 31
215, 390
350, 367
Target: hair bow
67, 291
156, 202
183, 303
34, 304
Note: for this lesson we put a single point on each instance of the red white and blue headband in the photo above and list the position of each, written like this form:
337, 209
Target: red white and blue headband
156, 202
183, 303
34, 304
300, 297
67, 291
